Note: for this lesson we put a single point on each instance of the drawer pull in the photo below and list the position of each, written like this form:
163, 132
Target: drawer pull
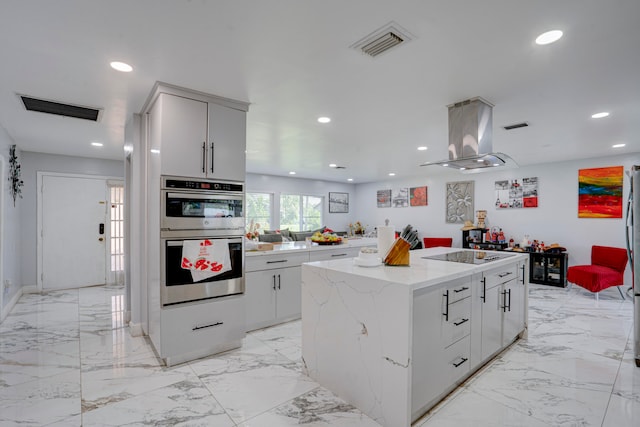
461, 322
464, 288
461, 362
483, 297
275, 262
334, 255
207, 326
501, 275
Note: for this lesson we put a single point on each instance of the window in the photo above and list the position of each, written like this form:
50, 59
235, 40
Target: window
300, 213
116, 233
259, 209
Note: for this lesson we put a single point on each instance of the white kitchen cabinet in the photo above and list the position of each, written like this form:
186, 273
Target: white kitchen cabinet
441, 342
272, 289
199, 135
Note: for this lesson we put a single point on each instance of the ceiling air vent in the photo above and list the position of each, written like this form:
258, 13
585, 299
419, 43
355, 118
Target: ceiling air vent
516, 126
60, 109
382, 39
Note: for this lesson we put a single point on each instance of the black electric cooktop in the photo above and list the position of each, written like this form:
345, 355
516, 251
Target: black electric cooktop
470, 257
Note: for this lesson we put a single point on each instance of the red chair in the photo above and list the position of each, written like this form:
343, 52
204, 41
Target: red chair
606, 270
433, 242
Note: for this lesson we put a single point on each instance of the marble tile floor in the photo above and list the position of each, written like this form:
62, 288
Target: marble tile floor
67, 359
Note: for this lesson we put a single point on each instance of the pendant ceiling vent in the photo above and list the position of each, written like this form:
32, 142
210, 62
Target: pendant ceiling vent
470, 139
60, 109
382, 39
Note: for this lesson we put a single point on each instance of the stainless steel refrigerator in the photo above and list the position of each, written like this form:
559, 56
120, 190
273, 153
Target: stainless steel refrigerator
633, 247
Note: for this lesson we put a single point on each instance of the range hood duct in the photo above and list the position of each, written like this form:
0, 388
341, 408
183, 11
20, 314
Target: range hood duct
470, 138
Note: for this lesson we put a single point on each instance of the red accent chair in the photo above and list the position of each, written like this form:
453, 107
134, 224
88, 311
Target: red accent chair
606, 270
433, 242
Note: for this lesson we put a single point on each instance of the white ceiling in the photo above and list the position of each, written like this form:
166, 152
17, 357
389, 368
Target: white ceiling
293, 62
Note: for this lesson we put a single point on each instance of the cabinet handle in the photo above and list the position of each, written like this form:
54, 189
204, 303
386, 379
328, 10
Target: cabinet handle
504, 301
522, 273
278, 281
464, 359
501, 275
212, 156
275, 262
461, 322
338, 255
274, 282
509, 304
446, 306
207, 326
483, 297
204, 157
464, 288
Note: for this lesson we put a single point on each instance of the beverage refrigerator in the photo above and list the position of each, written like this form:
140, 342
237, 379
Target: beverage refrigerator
633, 247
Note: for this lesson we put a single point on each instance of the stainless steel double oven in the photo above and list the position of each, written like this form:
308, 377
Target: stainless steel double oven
200, 210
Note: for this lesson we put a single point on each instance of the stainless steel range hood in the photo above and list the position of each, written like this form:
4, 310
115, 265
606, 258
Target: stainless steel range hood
470, 138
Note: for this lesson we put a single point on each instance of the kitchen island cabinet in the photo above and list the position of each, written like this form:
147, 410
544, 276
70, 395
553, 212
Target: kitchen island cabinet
393, 341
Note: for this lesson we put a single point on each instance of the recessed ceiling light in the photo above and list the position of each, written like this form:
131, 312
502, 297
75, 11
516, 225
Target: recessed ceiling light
155, 151
618, 145
121, 66
292, 173
422, 148
97, 144
349, 179
324, 119
392, 174
599, 115
549, 37
333, 165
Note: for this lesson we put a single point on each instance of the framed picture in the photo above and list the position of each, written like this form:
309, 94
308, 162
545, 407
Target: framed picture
517, 193
338, 202
384, 198
400, 198
600, 192
418, 196
459, 202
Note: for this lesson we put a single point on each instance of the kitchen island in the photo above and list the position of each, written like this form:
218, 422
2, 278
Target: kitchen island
393, 341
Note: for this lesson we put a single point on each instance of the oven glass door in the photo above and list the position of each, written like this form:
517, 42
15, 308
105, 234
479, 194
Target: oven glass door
219, 213
179, 284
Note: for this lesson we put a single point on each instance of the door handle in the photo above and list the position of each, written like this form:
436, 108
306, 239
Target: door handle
212, 156
101, 228
204, 157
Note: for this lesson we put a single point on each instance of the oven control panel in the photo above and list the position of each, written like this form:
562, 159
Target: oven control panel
185, 184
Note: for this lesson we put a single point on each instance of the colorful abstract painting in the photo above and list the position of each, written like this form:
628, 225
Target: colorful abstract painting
600, 192
418, 196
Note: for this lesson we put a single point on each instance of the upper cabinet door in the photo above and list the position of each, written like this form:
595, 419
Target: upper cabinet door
184, 136
227, 143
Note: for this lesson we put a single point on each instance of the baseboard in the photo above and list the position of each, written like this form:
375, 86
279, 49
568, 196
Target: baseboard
12, 302
30, 289
135, 329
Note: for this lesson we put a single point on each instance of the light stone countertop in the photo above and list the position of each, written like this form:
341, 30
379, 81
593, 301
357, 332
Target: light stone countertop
291, 247
422, 272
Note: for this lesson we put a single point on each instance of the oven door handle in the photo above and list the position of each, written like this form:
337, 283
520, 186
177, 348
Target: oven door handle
180, 242
205, 196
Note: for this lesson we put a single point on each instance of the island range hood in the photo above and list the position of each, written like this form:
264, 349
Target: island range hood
470, 138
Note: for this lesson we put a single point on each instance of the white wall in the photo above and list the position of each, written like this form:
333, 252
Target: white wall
554, 221
10, 233
284, 185
31, 164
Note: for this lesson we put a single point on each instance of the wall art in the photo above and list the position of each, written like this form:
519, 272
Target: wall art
418, 196
384, 198
400, 198
338, 202
459, 202
517, 193
15, 182
600, 192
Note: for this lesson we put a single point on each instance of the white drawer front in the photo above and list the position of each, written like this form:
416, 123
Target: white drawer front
457, 357
501, 275
458, 289
267, 262
198, 328
338, 253
458, 324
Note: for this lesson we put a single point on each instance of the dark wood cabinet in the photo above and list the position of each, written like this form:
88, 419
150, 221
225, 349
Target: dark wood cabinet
475, 239
548, 268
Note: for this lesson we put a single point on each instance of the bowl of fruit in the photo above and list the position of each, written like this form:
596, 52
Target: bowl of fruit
326, 238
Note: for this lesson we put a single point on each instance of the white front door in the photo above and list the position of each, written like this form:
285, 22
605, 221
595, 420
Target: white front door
73, 250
